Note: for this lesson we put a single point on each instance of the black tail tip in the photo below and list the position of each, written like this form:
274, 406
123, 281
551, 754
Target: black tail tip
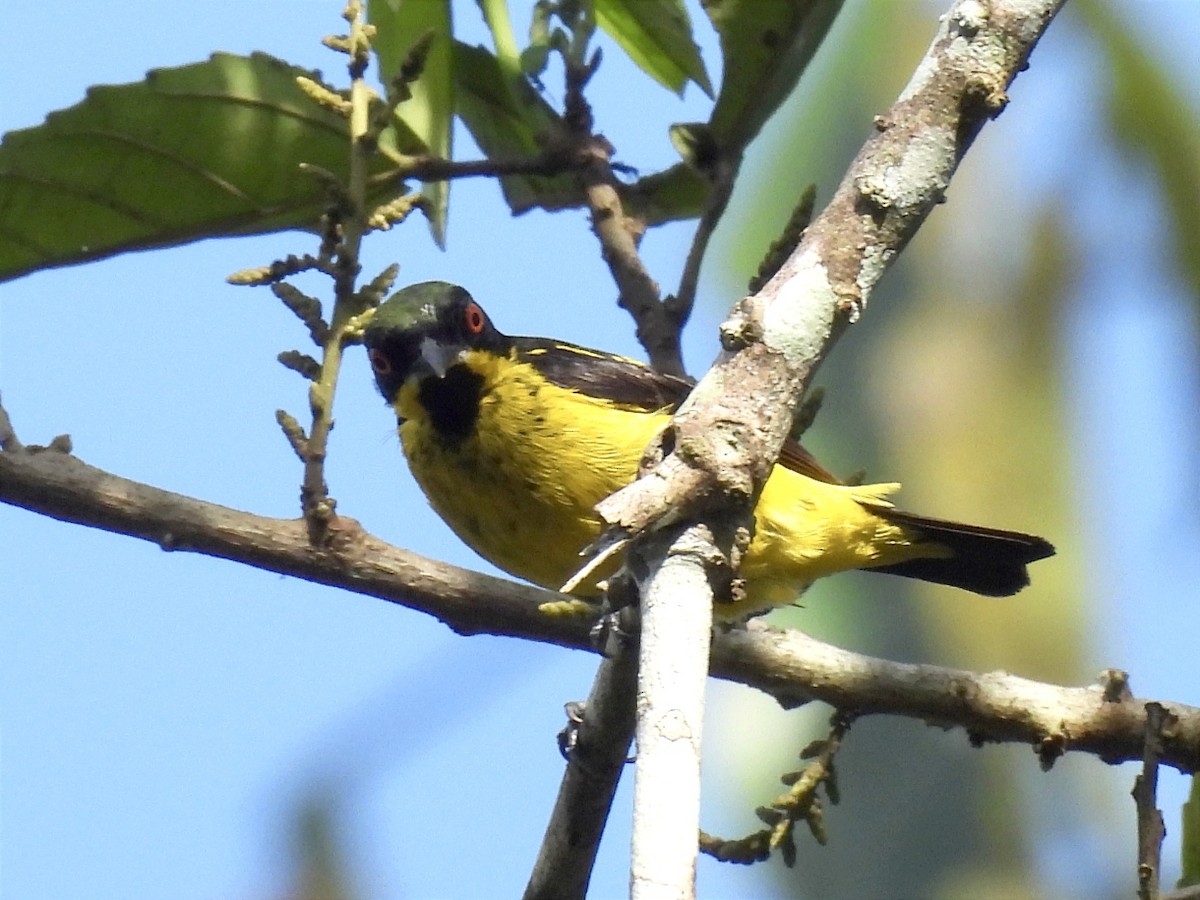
987, 561
995, 577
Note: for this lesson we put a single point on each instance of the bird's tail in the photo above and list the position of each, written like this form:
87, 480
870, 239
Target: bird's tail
988, 561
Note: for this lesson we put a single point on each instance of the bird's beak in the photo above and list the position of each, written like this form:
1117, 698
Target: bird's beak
439, 357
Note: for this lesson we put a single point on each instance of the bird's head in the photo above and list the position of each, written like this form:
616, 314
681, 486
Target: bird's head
422, 332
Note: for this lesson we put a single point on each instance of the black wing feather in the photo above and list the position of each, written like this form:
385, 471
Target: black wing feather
605, 376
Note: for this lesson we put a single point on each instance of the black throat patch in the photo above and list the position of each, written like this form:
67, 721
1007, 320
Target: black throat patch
452, 402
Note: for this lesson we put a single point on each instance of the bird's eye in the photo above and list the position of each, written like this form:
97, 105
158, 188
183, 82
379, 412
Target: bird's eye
379, 362
473, 318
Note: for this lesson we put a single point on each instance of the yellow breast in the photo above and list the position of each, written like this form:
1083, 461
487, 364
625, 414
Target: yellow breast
521, 487
519, 490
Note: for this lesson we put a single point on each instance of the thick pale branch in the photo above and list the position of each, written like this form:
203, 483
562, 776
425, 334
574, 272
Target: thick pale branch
789, 665
676, 631
729, 432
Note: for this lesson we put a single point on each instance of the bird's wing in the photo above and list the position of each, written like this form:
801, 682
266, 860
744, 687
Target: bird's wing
793, 456
630, 383
605, 376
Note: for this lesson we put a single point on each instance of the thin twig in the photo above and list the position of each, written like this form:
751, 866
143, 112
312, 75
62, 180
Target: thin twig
554, 160
597, 758
346, 243
679, 307
618, 233
800, 803
1150, 828
639, 293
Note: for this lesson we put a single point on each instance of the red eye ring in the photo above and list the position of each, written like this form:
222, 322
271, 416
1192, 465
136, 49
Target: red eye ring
473, 318
380, 364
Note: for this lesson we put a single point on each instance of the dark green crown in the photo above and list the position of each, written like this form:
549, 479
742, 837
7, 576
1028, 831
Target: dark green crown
419, 307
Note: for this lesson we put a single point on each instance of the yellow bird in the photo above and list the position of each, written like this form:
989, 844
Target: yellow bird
514, 440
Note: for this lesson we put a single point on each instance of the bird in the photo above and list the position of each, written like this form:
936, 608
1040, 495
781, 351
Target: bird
514, 440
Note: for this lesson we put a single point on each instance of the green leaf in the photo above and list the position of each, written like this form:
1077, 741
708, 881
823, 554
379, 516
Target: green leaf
1152, 116
766, 47
508, 120
1190, 816
677, 193
657, 35
495, 13
205, 150
430, 111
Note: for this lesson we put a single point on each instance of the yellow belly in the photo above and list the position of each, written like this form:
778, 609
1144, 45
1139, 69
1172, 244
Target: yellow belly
520, 491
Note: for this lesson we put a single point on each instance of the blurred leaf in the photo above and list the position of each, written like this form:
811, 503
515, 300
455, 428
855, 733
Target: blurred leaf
430, 110
765, 48
679, 192
495, 13
204, 150
972, 375
322, 864
696, 144
967, 376
1190, 852
657, 35
508, 120
1152, 115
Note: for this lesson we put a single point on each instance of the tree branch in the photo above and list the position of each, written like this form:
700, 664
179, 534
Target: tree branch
1150, 828
672, 665
596, 760
63, 487
729, 432
618, 233
552, 161
726, 436
1103, 719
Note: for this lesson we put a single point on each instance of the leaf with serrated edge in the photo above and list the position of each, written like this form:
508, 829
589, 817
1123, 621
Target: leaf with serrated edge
110, 174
